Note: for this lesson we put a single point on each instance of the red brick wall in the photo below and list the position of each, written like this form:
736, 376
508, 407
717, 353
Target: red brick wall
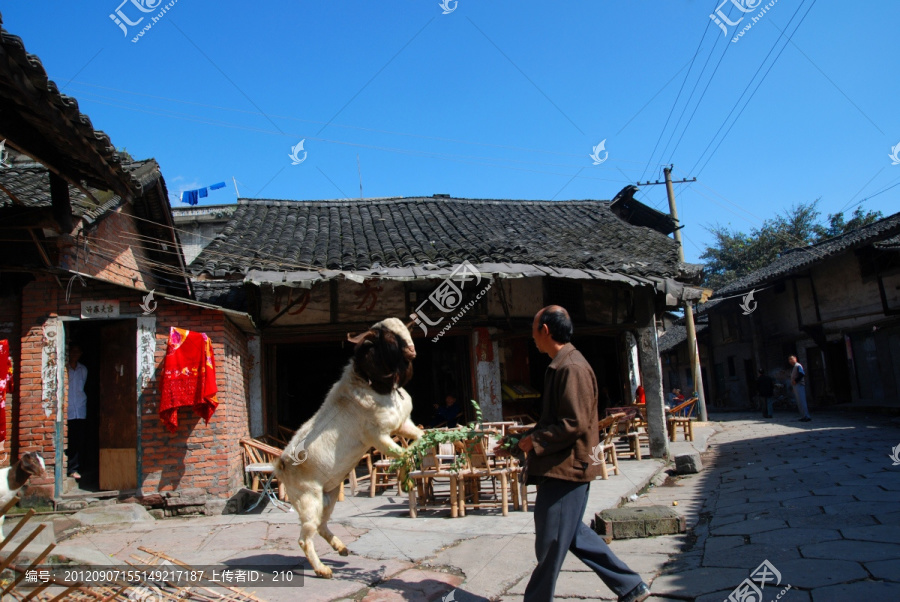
10, 308
113, 252
197, 455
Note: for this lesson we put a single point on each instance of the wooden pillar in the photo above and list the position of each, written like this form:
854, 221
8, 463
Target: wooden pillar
651, 371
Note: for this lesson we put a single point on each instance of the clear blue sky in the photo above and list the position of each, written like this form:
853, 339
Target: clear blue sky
494, 100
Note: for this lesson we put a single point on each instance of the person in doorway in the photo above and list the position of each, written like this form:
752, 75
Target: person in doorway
558, 460
765, 388
639, 396
449, 414
798, 382
77, 414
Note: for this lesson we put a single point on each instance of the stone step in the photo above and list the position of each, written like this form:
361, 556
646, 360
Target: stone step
638, 521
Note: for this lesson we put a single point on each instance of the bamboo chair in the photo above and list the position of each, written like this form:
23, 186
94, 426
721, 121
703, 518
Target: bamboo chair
259, 461
379, 470
434, 466
608, 429
680, 415
478, 467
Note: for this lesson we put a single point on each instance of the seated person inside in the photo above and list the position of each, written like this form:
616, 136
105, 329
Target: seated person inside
449, 414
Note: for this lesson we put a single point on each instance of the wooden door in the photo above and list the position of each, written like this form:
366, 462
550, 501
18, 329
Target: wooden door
118, 405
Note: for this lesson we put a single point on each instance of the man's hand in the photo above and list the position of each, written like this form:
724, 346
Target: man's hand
526, 444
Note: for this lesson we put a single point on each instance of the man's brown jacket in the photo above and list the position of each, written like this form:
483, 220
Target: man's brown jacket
566, 436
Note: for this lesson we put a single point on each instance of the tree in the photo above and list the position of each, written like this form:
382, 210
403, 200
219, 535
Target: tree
735, 254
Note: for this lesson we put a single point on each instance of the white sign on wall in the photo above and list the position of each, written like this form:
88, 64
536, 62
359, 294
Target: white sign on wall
100, 308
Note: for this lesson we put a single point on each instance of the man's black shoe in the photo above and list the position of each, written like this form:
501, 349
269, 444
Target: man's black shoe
638, 594
807, 419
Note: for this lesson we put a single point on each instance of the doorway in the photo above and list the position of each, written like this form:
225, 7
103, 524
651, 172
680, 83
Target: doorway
108, 455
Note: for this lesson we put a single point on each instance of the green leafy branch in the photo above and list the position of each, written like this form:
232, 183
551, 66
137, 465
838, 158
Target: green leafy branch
414, 456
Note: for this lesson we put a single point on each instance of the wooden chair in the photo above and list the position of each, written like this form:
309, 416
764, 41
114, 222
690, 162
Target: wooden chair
478, 467
379, 473
434, 466
608, 429
680, 415
259, 461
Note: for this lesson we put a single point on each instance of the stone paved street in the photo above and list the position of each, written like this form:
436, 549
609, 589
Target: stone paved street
818, 501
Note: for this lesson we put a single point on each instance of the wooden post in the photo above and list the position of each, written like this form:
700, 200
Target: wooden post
651, 372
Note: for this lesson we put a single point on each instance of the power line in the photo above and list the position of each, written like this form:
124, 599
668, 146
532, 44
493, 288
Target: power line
740, 98
677, 97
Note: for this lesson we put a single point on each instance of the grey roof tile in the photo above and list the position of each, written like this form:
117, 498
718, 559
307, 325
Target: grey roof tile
415, 231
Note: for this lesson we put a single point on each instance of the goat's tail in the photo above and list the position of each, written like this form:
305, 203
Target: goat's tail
279, 466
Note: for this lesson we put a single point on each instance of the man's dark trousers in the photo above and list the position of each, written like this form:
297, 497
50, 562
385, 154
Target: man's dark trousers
558, 511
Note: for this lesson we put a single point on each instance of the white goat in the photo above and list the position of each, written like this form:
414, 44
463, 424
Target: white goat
363, 409
14, 478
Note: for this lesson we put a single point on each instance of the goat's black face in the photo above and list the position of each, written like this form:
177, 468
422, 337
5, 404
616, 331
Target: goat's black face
32, 464
383, 358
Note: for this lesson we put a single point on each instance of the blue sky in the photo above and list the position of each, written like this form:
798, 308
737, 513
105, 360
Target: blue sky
495, 99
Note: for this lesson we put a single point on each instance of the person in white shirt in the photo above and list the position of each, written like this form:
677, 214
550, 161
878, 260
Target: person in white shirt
798, 382
77, 415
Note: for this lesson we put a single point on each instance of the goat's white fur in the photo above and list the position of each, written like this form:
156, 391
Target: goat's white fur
352, 419
6, 493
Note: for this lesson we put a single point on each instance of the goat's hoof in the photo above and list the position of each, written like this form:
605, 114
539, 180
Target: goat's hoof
324, 572
344, 551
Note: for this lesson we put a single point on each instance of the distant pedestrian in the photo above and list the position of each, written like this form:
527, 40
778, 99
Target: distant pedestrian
798, 382
765, 388
559, 450
77, 412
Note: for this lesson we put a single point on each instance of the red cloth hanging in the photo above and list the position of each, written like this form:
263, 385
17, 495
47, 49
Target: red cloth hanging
6, 383
189, 377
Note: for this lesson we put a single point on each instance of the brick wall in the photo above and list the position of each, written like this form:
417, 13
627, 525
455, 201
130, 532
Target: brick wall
113, 252
197, 455
10, 308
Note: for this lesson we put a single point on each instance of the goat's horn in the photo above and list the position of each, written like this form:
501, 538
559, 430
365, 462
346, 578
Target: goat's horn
360, 337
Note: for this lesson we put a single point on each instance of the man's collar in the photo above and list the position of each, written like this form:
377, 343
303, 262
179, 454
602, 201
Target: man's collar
563, 352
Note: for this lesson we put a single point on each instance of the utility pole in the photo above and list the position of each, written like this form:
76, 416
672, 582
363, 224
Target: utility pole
693, 348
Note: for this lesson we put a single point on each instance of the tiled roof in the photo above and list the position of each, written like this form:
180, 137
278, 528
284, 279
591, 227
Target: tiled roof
229, 294
675, 335
29, 183
426, 231
39, 120
802, 258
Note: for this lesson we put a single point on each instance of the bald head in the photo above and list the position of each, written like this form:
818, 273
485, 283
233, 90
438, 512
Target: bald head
557, 321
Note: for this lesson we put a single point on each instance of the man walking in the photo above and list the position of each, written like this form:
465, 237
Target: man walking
77, 414
798, 382
558, 461
765, 388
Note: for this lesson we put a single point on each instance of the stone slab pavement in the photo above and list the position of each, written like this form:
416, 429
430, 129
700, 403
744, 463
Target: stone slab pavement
818, 501
393, 557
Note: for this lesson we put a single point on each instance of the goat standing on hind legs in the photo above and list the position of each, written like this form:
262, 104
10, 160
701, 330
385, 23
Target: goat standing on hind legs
363, 409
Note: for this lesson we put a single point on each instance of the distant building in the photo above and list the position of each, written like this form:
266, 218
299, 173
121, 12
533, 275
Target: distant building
198, 226
835, 305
